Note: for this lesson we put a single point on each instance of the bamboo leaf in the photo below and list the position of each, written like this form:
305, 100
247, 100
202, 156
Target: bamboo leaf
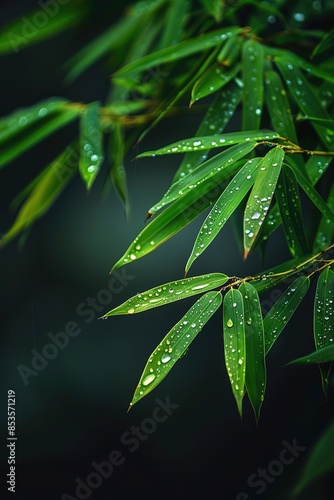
224, 207
316, 166
43, 193
212, 80
320, 460
323, 355
325, 231
235, 343
28, 126
91, 148
176, 16
323, 319
168, 293
326, 44
252, 75
215, 120
180, 50
204, 143
326, 122
223, 163
261, 195
118, 173
255, 348
213, 8
288, 198
281, 312
176, 343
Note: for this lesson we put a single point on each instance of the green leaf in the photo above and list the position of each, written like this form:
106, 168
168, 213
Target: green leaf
224, 207
114, 38
325, 231
28, 126
213, 8
174, 21
316, 166
320, 460
91, 147
252, 75
215, 120
212, 80
255, 349
323, 355
176, 343
326, 122
118, 173
261, 195
326, 44
31, 29
169, 292
281, 312
288, 198
225, 162
306, 185
235, 343
44, 191
306, 99
323, 319
204, 143
180, 50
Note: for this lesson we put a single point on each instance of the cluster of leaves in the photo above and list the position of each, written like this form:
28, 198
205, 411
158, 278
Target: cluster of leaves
277, 76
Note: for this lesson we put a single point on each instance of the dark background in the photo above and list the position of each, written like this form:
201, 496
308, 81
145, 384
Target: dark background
73, 412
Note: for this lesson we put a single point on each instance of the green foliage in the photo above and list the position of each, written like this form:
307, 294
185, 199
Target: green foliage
264, 66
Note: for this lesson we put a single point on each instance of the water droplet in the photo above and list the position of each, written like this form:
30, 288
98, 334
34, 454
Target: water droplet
165, 358
299, 16
257, 215
240, 361
131, 311
197, 143
133, 257
91, 169
147, 380
42, 112
193, 325
229, 323
249, 321
23, 121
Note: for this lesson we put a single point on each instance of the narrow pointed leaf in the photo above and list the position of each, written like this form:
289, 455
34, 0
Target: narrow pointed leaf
329, 123
311, 192
252, 75
173, 24
235, 343
212, 80
28, 126
316, 166
118, 174
224, 207
176, 343
326, 44
325, 231
91, 148
323, 318
288, 198
320, 461
261, 195
214, 8
281, 312
168, 293
44, 192
203, 143
255, 347
224, 163
180, 50
323, 355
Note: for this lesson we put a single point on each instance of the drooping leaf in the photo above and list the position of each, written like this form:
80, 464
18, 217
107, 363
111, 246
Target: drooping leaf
316, 166
169, 292
203, 143
283, 309
235, 343
252, 75
175, 19
118, 174
176, 343
323, 319
43, 193
325, 232
28, 126
216, 77
91, 147
329, 123
39, 25
326, 44
261, 195
215, 120
288, 198
323, 355
224, 207
225, 161
255, 348
320, 460
180, 50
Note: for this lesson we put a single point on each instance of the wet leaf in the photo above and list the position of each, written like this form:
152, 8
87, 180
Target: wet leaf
325, 232
224, 207
169, 292
235, 343
91, 147
323, 320
213, 8
44, 191
252, 75
216, 77
176, 343
288, 198
255, 348
323, 355
118, 173
223, 163
28, 126
282, 311
316, 166
261, 195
